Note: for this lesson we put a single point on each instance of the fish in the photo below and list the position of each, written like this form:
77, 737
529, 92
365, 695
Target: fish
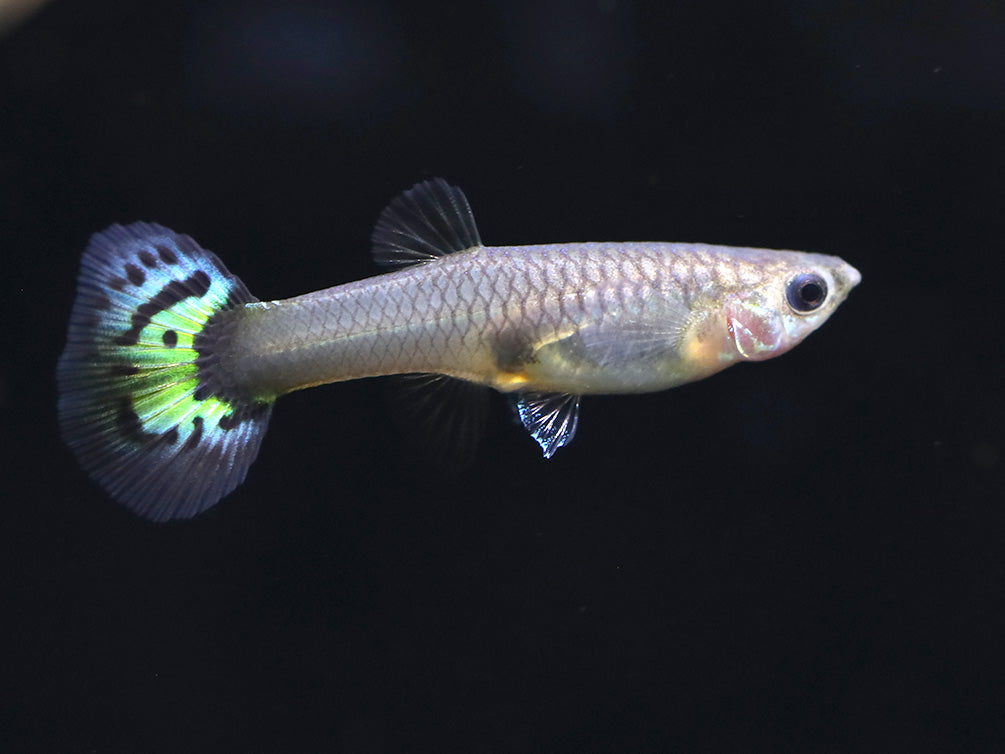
171, 366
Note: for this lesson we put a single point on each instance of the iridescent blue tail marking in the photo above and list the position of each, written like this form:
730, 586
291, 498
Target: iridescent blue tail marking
136, 402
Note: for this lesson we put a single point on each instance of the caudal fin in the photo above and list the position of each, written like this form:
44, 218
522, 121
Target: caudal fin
130, 404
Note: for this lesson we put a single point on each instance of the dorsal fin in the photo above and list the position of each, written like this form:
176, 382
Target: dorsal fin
429, 220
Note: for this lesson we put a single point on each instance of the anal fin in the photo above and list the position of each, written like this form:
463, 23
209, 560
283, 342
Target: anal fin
551, 418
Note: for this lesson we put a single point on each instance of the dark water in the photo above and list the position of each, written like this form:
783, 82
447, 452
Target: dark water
803, 555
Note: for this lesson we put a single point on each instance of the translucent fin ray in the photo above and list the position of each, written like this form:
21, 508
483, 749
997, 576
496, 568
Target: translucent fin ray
444, 418
130, 404
627, 336
429, 220
551, 418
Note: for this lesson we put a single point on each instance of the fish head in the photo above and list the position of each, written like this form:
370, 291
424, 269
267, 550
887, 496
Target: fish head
796, 293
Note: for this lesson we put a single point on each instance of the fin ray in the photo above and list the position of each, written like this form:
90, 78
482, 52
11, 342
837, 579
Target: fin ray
551, 418
628, 335
445, 417
429, 220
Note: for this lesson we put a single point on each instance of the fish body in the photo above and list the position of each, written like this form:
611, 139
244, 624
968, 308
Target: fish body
579, 318
171, 367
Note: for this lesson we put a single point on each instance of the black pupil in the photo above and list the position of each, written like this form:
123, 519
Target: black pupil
807, 292
811, 293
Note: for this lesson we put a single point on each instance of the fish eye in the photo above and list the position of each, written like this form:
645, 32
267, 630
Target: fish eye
806, 292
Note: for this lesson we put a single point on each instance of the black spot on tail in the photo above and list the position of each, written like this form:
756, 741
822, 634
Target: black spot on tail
129, 421
131, 427
117, 283
243, 413
135, 274
196, 437
148, 259
167, 255
197, 284
170, 338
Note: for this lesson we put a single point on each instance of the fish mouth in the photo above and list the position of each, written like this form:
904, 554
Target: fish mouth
849, 276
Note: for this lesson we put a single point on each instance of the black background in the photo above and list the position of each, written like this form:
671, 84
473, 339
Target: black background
802, 555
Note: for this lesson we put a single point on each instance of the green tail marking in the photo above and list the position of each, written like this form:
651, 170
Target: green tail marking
136, 403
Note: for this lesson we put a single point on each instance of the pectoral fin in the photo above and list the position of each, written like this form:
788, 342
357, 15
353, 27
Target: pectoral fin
639, 332
551, 418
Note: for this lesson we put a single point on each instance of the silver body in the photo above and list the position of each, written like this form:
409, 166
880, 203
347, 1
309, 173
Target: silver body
571, 318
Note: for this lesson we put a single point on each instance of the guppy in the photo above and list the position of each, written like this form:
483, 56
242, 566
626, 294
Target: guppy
171, 366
